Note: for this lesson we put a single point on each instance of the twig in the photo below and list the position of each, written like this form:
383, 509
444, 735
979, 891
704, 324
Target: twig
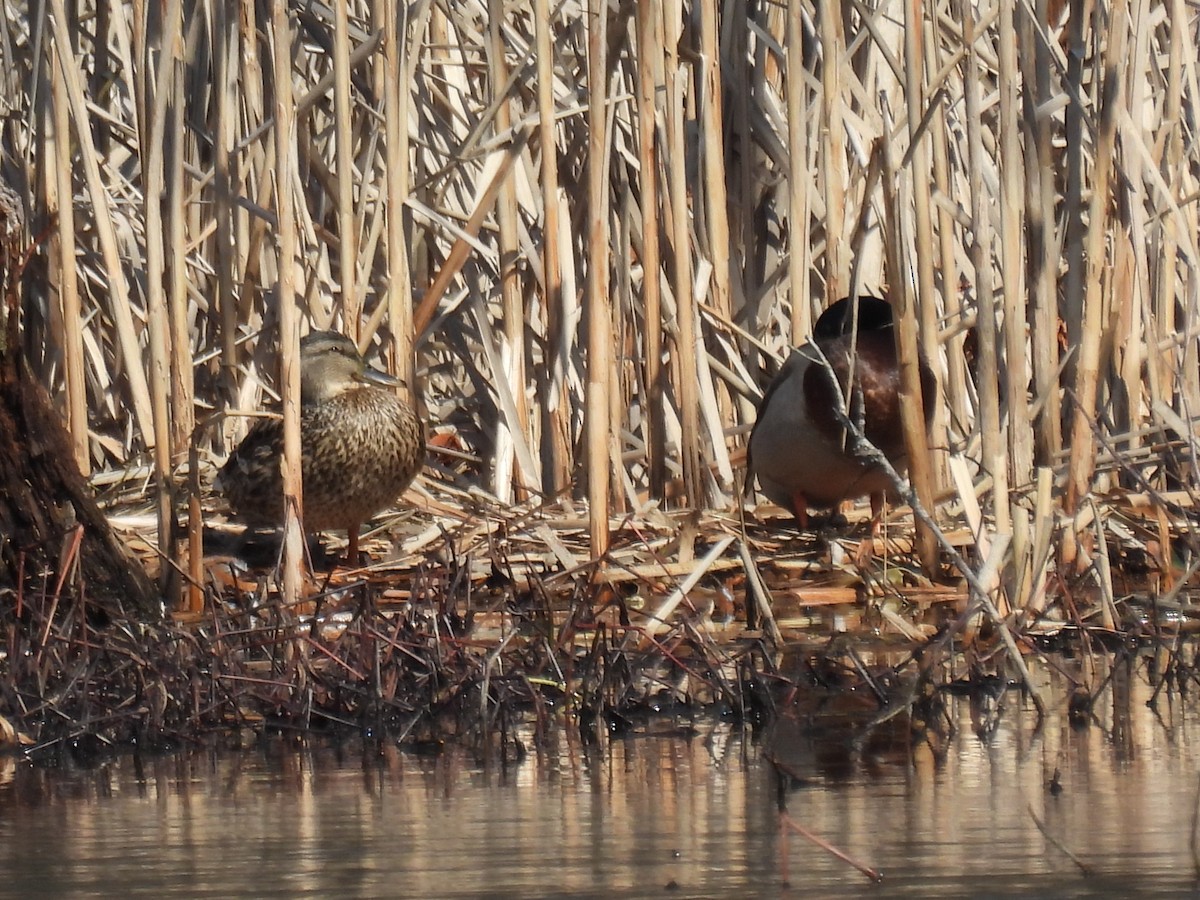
1083, 867
790, 824
862, 448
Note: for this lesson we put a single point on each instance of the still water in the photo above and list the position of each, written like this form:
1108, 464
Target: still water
658, 816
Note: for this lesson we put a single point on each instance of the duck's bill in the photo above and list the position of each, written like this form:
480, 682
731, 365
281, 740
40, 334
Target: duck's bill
377, 377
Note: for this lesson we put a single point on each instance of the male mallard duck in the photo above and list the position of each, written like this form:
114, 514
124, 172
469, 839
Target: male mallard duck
361, 445
798, 449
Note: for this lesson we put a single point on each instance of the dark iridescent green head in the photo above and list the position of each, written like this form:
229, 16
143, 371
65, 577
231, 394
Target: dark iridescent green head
873, 315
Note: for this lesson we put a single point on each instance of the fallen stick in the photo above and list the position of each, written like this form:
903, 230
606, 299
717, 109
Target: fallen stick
790, 824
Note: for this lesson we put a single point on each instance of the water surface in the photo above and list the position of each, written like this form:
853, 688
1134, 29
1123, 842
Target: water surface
636, 816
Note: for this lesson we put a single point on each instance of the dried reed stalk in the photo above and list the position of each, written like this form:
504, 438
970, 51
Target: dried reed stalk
833, 152
119, 305
393, 18
994, 459
513, 351
1012, 254
599, 315
683, 356
716, 203
649, 83
1041, 261
289, 322
60, 194
799, 204
344, 167
556, 462
1087, 372
158, 325
912, 402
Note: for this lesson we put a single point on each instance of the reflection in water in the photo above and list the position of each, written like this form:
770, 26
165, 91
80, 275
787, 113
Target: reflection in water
631, 818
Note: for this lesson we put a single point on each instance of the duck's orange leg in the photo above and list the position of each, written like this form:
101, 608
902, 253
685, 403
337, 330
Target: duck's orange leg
878, 506
800, 510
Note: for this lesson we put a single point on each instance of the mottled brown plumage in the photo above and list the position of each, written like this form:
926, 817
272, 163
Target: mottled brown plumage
361, 445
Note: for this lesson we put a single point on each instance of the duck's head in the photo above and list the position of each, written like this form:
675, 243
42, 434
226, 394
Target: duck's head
330, 364
873, 315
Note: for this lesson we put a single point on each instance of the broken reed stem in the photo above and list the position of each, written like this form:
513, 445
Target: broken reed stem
461, 250
660, 618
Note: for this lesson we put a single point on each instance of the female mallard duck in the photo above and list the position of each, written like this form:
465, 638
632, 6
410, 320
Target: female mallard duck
361, 445
798, 449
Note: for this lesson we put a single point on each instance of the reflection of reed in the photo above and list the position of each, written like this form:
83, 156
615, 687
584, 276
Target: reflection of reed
629, 816
1116, 770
